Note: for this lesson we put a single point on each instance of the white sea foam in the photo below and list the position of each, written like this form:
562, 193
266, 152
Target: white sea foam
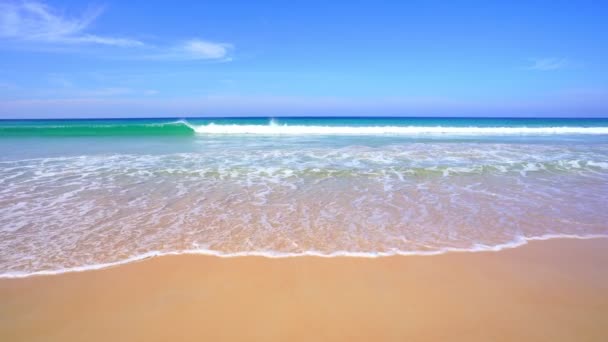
477, 248
278, 129
228, 198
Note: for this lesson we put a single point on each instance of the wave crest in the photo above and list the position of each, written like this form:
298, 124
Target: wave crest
272, 128
275, 129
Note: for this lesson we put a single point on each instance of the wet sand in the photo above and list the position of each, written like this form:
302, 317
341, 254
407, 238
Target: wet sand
553, 290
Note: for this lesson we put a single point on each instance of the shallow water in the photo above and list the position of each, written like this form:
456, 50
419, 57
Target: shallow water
371, 187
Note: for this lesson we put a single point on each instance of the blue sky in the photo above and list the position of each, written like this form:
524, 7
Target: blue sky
275, 58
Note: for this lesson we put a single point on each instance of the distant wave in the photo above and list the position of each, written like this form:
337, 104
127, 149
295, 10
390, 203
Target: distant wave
276, 129
185, 128
176, 128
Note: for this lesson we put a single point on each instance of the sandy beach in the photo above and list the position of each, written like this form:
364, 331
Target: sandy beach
303, 171
552, 290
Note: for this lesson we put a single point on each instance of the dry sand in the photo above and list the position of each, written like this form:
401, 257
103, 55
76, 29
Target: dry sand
553, 290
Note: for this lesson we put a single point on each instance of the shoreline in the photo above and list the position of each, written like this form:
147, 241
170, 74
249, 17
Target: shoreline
545, 290
519, 242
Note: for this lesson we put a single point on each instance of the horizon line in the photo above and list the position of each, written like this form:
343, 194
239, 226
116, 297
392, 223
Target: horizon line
304, 117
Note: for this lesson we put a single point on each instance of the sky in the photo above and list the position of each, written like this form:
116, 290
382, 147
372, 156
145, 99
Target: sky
66, 59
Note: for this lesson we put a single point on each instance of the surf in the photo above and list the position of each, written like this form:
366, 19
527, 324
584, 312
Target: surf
407, 127
283, 129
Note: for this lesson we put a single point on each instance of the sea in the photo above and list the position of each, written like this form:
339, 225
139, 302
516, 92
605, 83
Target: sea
87, 194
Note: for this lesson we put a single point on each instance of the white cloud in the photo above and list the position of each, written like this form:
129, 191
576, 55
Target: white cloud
194, 49
36, 21
547, 64
200, 49
88, 38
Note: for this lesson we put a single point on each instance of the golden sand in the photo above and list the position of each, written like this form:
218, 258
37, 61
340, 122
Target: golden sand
546, 291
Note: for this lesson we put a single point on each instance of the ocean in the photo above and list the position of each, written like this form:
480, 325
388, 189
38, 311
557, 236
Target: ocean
86, 194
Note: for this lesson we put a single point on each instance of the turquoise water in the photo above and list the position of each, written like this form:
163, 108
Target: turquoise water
80, 194
299, 126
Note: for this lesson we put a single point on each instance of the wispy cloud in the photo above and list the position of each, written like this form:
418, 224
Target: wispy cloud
38, 22
194, 49
201, 49
548, 64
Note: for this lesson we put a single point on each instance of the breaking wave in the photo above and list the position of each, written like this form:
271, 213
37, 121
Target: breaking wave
186, 128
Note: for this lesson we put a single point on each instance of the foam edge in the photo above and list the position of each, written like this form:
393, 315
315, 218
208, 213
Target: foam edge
518, 242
